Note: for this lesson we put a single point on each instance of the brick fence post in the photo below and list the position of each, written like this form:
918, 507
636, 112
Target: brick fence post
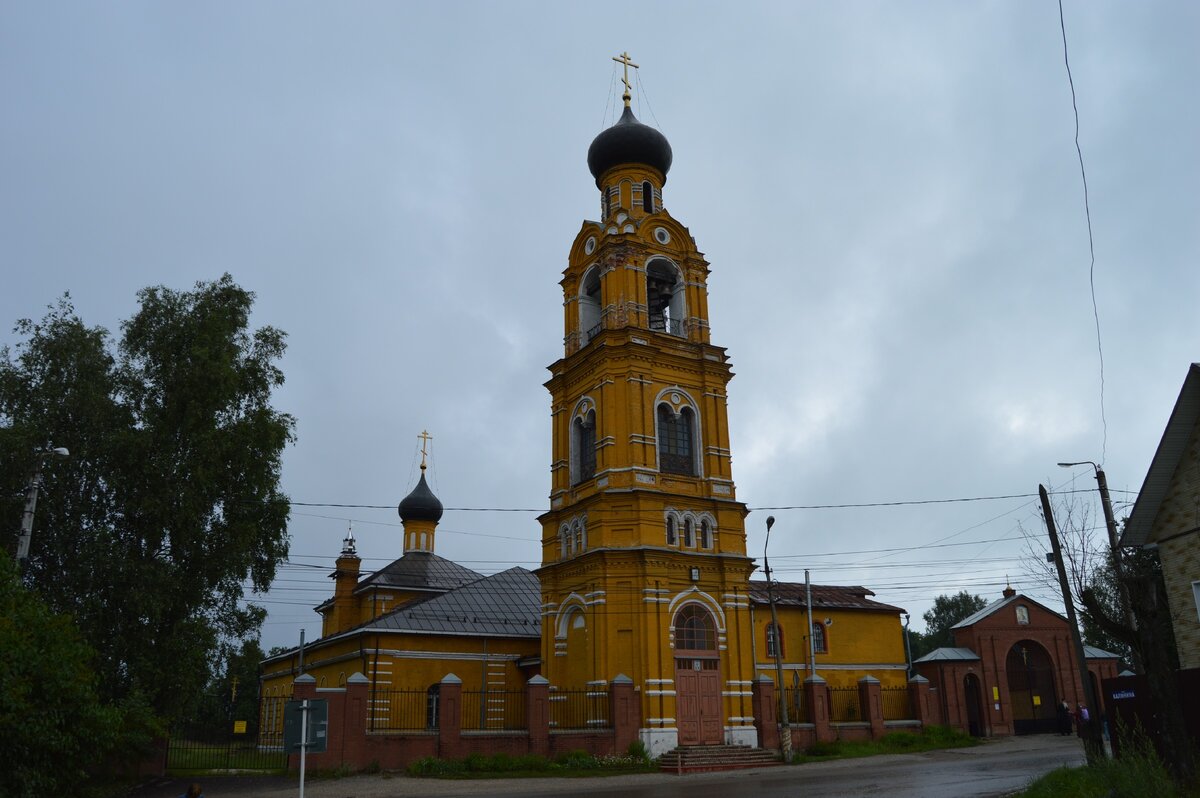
870, 701
816, 693
624, 712
918, 700
764, 706
537, 714
354, 721
450, 717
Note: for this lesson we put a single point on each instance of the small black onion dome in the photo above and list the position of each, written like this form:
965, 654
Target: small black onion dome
421, 504
629, 141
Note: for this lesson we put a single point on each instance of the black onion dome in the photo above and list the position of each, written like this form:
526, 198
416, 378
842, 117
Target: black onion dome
421, 504
629, 141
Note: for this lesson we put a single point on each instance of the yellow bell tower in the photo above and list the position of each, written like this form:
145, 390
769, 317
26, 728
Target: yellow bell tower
644, 568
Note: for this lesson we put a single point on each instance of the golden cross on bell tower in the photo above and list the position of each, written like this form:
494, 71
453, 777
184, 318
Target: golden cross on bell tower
623, 58
425, 438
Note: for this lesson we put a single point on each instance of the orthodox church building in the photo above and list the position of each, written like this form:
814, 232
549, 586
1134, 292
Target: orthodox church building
644, 573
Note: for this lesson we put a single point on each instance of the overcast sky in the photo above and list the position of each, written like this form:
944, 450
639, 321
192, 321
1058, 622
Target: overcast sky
888, 194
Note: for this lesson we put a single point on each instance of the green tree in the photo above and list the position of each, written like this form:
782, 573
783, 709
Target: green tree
57, 731
945, 612
170, 501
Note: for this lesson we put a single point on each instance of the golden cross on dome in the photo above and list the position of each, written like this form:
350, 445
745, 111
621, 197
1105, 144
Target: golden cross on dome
623, 58
425, 438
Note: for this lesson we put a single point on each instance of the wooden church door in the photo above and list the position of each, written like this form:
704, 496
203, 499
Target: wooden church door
697, 679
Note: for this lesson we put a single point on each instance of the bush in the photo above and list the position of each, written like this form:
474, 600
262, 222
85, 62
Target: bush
477, 763
823, 749
901, 740
531, 762
637, 750
60, 737
433, 767
578, 760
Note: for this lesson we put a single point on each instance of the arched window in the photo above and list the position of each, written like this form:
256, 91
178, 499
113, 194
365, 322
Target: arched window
589, 305
694, 629
664, 297
583, 438
818, 636
564, 541
432, 698
580, 537
706, 536
676, 434
647, 197
671, 536
689, 536
774, 637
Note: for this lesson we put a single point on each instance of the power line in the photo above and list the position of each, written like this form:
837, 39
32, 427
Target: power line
1091, 244
845, 506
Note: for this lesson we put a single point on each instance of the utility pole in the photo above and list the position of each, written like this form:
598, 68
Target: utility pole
785, 728
1091, 742
907, 650
812, 641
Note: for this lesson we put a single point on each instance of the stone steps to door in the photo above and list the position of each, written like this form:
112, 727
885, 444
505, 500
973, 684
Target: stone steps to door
700, 758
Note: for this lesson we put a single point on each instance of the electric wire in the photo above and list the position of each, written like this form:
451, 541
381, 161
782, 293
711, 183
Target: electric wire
1091, 244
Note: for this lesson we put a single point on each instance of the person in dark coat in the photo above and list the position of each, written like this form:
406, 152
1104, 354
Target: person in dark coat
1064, 718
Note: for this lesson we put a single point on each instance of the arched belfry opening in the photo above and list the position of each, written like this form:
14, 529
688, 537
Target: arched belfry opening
664, 297
589, 306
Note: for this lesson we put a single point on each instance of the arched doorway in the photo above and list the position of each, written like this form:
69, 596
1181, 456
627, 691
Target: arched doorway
973, 696
697, 678
1031, 689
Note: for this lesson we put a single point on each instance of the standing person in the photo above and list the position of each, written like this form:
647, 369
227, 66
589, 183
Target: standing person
1081, 719
1064, 718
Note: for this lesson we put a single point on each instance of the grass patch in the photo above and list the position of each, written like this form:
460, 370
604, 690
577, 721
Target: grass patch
930, 738
1137, 774
502, 766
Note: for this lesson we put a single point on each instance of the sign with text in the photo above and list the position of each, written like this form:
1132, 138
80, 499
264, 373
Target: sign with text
318, 724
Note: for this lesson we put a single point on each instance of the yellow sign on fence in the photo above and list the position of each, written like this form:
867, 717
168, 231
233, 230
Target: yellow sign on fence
239, 727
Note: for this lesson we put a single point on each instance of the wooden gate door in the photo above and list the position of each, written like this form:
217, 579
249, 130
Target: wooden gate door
687, 702
698, 701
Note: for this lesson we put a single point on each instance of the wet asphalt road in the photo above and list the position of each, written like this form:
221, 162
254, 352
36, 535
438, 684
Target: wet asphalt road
996, 768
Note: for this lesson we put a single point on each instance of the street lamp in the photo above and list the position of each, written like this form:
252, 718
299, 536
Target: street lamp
1118, 564
31, 496
785, 729
1105, 501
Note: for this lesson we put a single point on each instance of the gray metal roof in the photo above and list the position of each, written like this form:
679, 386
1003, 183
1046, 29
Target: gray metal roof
1091, 652
1181, 427
507, 604
948, 654
421, 570
840, 597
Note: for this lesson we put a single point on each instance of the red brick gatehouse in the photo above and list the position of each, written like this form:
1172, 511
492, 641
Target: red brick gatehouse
1011, 663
